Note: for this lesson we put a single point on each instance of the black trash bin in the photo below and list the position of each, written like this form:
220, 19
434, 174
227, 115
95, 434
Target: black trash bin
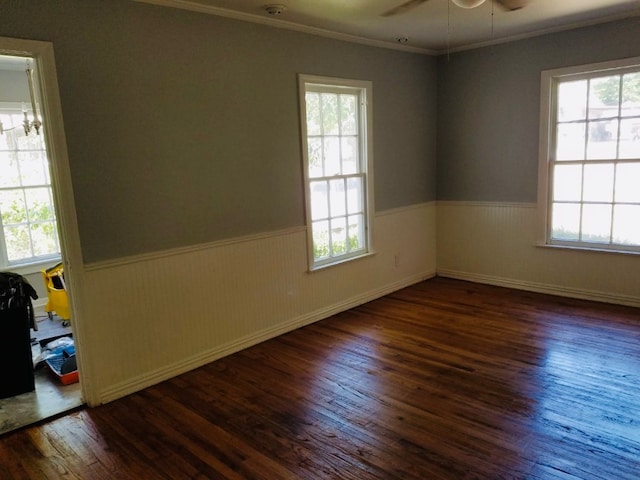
16, 319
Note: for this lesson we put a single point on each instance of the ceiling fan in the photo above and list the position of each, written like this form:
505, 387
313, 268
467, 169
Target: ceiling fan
411, 4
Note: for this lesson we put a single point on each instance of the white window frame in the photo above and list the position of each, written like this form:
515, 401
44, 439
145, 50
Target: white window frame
30, 264
548, 95
365, 134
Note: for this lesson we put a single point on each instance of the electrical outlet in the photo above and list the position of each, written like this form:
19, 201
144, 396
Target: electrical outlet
396, 260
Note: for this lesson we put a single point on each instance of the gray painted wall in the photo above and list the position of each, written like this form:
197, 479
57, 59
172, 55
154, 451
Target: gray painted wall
489, 108
182, 128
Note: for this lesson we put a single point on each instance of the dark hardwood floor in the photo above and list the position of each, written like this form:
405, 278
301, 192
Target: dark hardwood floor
441, 380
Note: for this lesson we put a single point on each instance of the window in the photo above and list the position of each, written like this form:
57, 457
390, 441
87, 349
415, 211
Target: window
590, 167
29, 232
336, 138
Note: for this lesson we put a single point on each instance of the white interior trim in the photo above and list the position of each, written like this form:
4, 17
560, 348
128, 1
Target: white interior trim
151, 378
551, 289
547, 142
468, 203
545, 31
247, 17
132, 259
53, 130
497, 245
272, 22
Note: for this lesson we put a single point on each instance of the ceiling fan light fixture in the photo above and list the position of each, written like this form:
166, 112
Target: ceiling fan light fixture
274, 10
468, 3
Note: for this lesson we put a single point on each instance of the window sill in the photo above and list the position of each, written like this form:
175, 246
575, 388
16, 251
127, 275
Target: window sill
581, 248
340, 262
35, 267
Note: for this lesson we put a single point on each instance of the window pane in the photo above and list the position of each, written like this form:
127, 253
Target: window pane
45, 239
603, 140
319, 200
17, 132
604, 97
348, 114
354, 195
565, 221
356, 232
335, 166
330, 114
630, 138
349, 155
33, 168
631, 94
9, 174
596, 223
16, 137
339, 236
313, 113
567, 183
598, 183
572, 100
331, 156
628, 183
39, 204
7, 123
29, 142
315, 157
26, 205
13, 207
626, 224
570, 141
320, 240
595, 175
338, 199
18, 243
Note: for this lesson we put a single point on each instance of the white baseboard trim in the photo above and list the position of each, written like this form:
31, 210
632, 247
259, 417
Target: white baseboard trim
464, 203
559, 290
363, 298
154, 377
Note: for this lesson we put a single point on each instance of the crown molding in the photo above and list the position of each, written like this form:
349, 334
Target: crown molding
272, 22
544, 31
277, 23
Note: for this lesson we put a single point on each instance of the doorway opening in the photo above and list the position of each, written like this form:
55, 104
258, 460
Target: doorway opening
33, 239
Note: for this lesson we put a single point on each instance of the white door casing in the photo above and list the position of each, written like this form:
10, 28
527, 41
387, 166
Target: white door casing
46, 84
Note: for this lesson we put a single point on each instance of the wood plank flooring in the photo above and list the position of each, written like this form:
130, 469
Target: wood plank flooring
441, 380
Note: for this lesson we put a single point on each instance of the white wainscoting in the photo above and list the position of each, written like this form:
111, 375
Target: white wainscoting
148, 318
495, 243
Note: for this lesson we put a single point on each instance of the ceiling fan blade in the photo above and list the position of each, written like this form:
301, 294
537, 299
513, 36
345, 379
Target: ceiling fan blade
511, 5
405, 7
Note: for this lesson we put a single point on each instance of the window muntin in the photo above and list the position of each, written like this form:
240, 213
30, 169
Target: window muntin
336, 152
594, 158
28, 232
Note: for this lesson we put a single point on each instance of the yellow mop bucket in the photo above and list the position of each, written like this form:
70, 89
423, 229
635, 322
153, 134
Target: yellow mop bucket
57, 300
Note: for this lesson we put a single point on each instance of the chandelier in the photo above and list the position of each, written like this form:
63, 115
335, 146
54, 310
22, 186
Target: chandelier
28, 125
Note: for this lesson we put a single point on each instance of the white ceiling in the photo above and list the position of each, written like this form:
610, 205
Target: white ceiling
435, 26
